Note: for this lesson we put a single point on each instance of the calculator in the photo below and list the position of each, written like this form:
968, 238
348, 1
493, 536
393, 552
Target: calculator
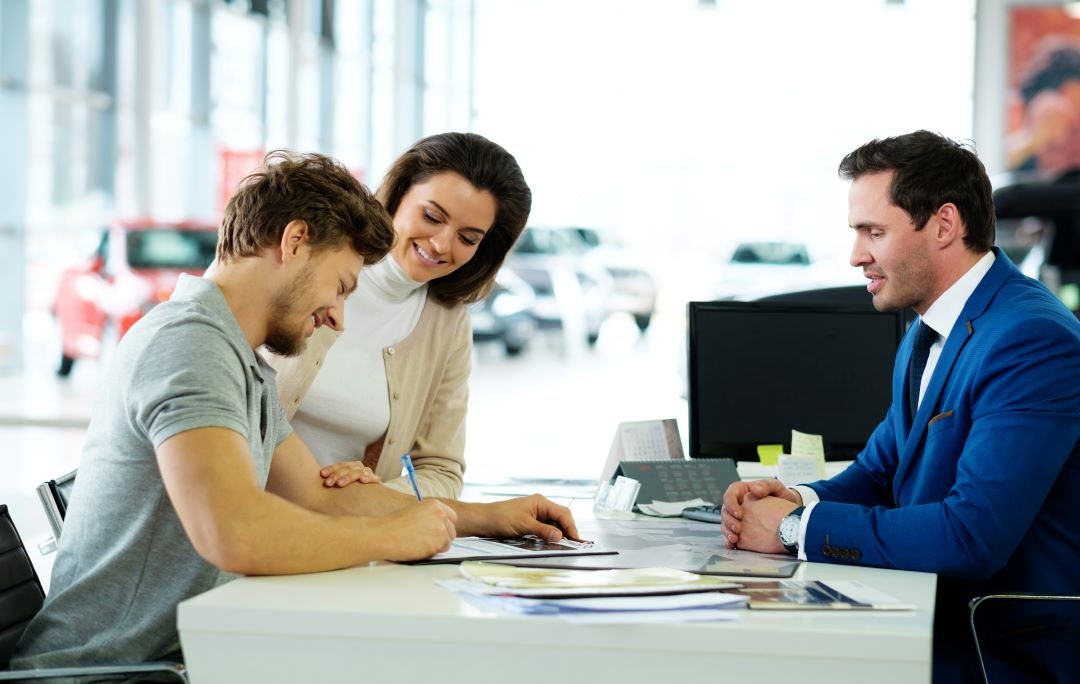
681, 480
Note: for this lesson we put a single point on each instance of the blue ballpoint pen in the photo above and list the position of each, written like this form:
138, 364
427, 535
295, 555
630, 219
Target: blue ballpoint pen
410, 472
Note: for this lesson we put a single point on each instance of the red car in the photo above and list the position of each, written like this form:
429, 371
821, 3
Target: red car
135, 266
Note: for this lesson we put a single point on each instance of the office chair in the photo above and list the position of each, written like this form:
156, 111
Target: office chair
21, 597
54, 496
975, 603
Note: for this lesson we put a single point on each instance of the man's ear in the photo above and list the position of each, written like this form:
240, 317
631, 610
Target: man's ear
293, 238
950, 225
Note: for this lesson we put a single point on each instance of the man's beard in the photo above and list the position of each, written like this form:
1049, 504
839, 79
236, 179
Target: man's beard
282, 340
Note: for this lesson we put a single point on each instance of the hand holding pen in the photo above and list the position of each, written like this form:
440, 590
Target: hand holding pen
410, 473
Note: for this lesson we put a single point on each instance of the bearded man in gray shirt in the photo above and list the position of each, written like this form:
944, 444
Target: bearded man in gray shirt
191, 474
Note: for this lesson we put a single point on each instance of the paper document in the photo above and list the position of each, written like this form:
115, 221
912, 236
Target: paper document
712, 605
805, 463
679, 601
564, 582
530, 546
594, 605
670, 509
665, 542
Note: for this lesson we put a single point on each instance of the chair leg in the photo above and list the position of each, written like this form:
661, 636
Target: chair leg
974, 605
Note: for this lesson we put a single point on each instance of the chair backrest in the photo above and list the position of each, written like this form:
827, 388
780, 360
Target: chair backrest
54, 496
21, 596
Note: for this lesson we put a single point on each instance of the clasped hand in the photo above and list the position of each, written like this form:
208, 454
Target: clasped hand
752, 512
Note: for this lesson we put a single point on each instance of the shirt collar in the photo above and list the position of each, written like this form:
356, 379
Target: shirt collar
207, 293
943, 313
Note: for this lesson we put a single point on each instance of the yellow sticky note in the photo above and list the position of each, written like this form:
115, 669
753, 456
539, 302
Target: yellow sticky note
803, 444
769, 453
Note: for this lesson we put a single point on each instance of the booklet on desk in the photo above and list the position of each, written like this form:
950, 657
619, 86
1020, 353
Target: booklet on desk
497, 578
529, 546
816, 595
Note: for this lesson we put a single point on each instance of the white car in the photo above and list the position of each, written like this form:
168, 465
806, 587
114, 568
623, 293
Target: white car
633, 282
762, 269
572, 289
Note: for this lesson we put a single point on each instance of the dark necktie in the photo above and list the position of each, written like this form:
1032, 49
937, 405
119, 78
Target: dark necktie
924, 337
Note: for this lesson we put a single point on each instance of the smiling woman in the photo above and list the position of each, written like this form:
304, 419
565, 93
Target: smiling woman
396, 379
440, 224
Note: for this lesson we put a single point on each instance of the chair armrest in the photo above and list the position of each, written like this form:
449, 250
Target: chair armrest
975, 603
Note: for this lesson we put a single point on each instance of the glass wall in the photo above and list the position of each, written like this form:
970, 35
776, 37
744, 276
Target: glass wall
155, 109
672, 132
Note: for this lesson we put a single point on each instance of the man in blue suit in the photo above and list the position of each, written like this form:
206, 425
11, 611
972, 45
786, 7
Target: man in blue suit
971, 473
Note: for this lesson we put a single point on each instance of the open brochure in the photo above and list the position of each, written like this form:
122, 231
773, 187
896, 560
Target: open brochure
816, 595
535, 582
596, 596
529, 546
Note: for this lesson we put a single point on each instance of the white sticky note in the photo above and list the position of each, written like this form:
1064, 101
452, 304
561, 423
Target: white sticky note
793, 470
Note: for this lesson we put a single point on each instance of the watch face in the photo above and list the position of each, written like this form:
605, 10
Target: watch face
789, 530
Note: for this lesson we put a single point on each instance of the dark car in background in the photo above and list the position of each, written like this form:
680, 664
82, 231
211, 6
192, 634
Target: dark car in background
506, 315
135, 267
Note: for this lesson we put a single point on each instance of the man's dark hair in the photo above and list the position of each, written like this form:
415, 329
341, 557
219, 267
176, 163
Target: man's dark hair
486, 166
931, 170
313, 188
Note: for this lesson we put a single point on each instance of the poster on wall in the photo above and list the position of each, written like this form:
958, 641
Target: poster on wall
1043, 102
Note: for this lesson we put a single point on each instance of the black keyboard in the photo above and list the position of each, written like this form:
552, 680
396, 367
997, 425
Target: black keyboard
709, 514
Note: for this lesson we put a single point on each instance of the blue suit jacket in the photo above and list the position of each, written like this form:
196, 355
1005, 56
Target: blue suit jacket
978, 486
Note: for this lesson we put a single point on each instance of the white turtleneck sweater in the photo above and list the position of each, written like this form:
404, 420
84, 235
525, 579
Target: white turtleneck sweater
347, 406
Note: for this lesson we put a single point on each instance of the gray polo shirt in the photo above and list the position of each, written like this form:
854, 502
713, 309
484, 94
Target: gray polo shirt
124, 561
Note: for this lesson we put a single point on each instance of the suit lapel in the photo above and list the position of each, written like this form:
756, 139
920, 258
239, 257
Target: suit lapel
964, 329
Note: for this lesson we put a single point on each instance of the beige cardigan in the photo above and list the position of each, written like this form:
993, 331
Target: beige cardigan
427, 377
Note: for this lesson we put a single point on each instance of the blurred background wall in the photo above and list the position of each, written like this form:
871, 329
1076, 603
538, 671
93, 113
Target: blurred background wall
679, 127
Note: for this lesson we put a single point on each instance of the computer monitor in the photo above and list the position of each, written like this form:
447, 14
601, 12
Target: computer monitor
757, 370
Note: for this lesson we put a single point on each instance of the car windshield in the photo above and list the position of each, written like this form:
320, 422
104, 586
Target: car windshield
541, 241
770, 253
171, 248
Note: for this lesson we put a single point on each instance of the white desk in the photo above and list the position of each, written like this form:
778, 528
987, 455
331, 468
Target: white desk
386, 623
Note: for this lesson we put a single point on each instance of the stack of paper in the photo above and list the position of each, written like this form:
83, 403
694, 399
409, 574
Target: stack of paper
670, 509
628, 595
805, 463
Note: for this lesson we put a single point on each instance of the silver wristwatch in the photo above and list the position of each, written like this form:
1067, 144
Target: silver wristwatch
789, 530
